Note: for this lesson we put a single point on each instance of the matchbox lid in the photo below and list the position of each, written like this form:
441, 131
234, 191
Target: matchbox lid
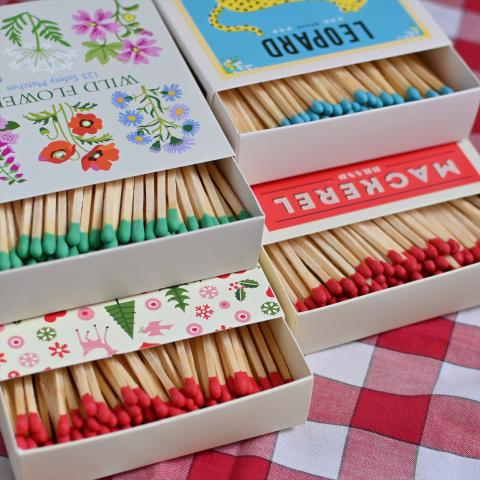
93, 91
328, 199
231, 43
80, 335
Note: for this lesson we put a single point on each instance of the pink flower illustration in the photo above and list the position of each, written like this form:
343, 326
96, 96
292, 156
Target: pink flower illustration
29, 359
194, 329
59, 349
208, 291
16, 341
96, 26
85, 313
139, 51
3, 122
9, 137
204, 311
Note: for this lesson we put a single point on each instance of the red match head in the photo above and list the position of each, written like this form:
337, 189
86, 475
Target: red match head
418, 253
319, 296
375, 266
454, 245
143, 399
241, 383
190, 405
226, 395
89, 405
214, 388
416, 276
429, 266
122, 416
389, 269
275, 378
35, 423
364, 270
358, 280
395, 257
334, 287
264, 383
442, 247
128, 396
300, 306
21, 425
349, 288
63, 426
475, 250
177, 397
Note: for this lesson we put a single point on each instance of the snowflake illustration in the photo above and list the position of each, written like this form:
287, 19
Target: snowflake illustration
204, 311
59, 350
28, 359
46, 334
208, 291
270, 308
3, 358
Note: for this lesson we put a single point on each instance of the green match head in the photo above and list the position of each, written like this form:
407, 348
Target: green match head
243, 215
223, 219
23, 248
192, 224
124, 234
5, 263
84, 245
182, 228
73, 252
73, 237
150, 230
36, 249
161, 228
112, 244
108, 233
31, 261
15, 260
138, 231
207, 221
173, 220
62, 250
49, 243
95, 238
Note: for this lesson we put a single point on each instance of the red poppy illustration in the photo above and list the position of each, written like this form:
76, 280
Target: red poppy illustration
85, 123
100, 157
57, 152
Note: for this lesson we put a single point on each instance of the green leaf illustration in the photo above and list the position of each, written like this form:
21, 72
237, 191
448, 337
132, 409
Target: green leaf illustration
41, 117
240, 294
103, 53
124, 315
10, 126
106, 137
50, 31
249, 283
84, 106
12, 28
131, 8
179, 296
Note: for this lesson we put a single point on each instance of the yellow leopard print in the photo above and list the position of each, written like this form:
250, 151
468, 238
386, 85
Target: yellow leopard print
243, 6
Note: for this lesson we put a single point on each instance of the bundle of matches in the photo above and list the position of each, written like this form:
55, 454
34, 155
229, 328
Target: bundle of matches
120, 392
347, 262
64, 224
332, 93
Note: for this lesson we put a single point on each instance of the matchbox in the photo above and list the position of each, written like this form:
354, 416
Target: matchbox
326, 232
187, 431
284, 41
138, 267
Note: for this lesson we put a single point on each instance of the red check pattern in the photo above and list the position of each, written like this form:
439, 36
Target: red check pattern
402, 405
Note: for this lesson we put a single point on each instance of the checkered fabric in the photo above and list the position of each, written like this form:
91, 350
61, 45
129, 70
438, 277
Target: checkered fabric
402, 405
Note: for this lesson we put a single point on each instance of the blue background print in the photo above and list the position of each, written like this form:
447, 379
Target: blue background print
290, 30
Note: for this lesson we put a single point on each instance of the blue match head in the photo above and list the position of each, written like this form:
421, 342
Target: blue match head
431, 94
337, 110
387, 99
296, 119
372, 100
363, 108
327, 109
356, 107
346, 106
361, 97
285, 122
445, 90
304, 116
398, 99
413, 94
317, 107
313, 116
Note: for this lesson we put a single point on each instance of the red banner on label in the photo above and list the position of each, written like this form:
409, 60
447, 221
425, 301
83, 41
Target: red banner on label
316, 196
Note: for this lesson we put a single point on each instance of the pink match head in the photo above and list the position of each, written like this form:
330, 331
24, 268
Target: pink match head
364, 270
276, 379
190, 405
226, 395
21, 425
375, 266
358, 280
63, 426
400, 272
454, 245
416, 276
143, 399
334, 287
21, 442
349, 287
177, 397
89, 405
214, 388
429, 266
128, 396
441, 246
241, 383
161, 409
418, 253
300, 306
319, 296
264, 383
395, 256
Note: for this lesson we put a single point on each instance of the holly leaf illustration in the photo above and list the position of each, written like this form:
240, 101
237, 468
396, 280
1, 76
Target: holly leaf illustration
249, 283
179, 296
124, 315
10, 126
103, 53
240, 294
106, 137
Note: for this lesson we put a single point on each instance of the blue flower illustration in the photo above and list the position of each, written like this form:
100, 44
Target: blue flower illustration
172, 92
121, 100
190, 127
139, 138
178, 145
179, 111
130, 118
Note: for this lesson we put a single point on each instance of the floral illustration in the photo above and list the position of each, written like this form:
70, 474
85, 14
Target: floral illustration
270, 308
234, 65
158, 122
204, 311
59, 350
37, 44
74, 134
9, 167
46, 334
115, 35
28, 359
208, 291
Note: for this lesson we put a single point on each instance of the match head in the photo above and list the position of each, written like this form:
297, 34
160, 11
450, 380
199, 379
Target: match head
190, 387
161, 409
103, 413
240, 383
310, 303
475, 251
443, 264
392, 282
211, 402
349, 287
364, 290
128, 396
380, 279
389, 269
177, 397
417, 253
264, 383
376, 287
31, 443
400, 272
334, 287
358, 280
395, 257
411, 265
173, 411
22, 425
89, 405
442, 247
429, 266
276, 379
123, 417
76, 435
300, 306
364, 270
375, 266
143, 399
361, 97
149, 414
190, 405
93, 425
454, 245
21, 442
459, 257
226, 395
468, 257
63, 426
214, 388
319, 296
76, 418
416, 276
